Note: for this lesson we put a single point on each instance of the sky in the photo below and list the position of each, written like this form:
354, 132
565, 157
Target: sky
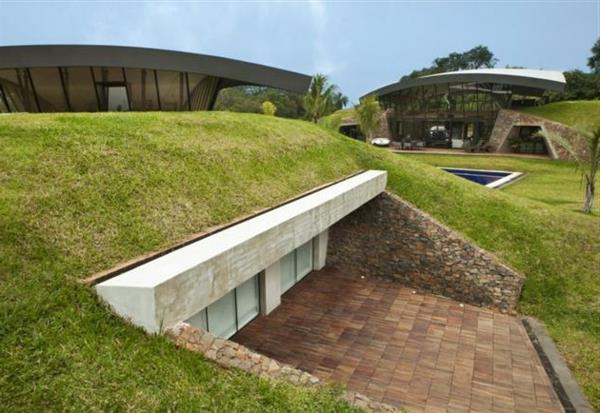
360, 45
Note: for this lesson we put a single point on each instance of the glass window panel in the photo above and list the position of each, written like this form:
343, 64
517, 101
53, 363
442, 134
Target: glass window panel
198, 320
11, 91
172, 89
142, 89
105, 78
108, 74
3, 107
304, 260
247, 301
80, 88
17, 90
222, 317
117, 99
49, 89
288, 271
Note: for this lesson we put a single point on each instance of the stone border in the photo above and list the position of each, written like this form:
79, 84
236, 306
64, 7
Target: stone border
567, 389
228, 354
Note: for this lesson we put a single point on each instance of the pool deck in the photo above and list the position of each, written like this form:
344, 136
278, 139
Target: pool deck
421, 352
461, 152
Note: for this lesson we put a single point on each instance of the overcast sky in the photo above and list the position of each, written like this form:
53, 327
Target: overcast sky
361, 45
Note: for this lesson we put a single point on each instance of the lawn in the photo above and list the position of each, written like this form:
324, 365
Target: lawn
556, 183
82, 192
571, 113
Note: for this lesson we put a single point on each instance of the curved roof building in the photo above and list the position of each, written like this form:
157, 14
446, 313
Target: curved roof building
520, 81
456, 109
64, 78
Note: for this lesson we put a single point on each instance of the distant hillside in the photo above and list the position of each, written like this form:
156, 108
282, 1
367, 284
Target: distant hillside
571, 113
82, 192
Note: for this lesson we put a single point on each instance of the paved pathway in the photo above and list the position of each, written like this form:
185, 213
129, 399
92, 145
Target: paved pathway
421, 352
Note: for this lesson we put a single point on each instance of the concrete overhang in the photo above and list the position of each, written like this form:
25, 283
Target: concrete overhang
234, 72
175, 286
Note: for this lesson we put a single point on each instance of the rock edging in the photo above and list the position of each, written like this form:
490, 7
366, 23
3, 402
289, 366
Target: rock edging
229, 354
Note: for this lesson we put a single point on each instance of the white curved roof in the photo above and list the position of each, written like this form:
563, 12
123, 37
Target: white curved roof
522, 80
551, 75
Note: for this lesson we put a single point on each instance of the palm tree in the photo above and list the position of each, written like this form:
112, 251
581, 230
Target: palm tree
368, 113
588, 163
322, 98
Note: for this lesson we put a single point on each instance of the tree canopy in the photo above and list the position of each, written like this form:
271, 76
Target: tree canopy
476, 58
250, 99
322, 98
368, 113
594, 59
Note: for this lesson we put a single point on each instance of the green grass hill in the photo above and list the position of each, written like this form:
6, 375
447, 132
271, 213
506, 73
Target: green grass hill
571, 113
80, 193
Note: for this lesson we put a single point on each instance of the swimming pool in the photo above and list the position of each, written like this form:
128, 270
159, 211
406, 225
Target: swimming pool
489, 178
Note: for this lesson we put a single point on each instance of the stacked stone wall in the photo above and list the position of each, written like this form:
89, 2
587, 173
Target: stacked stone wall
388, 237
508, 119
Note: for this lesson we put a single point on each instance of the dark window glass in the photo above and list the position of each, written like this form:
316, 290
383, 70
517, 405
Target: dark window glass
80, 89
49, 90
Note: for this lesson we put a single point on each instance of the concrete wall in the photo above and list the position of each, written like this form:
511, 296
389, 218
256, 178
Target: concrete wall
508, 121
390, 238
178, 285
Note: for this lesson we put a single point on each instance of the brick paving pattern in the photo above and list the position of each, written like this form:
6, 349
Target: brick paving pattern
421, 352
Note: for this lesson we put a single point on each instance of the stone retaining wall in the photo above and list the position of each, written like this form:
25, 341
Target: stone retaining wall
508, 119
228, 354
388, 237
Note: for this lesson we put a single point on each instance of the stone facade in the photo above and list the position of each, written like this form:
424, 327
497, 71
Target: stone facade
228, 354
508, 120
388, 237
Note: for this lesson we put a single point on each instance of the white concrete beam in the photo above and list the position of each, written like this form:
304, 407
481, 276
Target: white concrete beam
270, 288
320, 250
177, 285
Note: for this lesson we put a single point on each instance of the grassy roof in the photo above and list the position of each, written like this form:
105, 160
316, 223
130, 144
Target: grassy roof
571, 113
82, 192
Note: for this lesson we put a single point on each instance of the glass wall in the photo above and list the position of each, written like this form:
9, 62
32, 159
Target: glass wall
231, 312
447, 115
296, 265
91, 89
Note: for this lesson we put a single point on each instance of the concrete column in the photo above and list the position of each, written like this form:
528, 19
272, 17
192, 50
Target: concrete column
320, 250
270, 288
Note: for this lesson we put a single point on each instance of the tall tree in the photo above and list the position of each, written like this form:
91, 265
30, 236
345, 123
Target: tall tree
322, 98
594, 59
589, 163
368, 113
475, 58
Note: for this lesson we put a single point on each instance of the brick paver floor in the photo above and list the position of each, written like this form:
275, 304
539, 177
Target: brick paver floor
417, 351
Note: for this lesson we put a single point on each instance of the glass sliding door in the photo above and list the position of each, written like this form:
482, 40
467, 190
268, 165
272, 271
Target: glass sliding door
296, 265
248, 305
199, 320
288, 271
304, 260
222, 316
228, 314
117, 99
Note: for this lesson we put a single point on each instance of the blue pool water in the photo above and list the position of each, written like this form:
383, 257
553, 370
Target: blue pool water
481, 177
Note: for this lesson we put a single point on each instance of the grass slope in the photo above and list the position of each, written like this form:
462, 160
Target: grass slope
571, 113
555, 183
82, 192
